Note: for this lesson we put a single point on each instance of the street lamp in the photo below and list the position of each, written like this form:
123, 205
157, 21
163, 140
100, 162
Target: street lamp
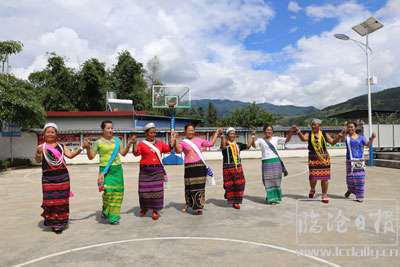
365, 29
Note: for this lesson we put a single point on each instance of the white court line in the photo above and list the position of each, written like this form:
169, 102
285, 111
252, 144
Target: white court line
247, 183
179, 238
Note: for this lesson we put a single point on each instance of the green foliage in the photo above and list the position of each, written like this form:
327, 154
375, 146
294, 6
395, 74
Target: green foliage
248, 116
212, 116
393, 118
92, 80
129, 83
16, 162
63, 89
19, 103
194, 113
388, 99
57, 85
224, 107
8, 48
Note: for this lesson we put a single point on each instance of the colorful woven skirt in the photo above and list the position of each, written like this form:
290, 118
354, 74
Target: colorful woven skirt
319, 169
151, 187
272, 179
195, 183
355, 181
234, 182
56, 192
113, 193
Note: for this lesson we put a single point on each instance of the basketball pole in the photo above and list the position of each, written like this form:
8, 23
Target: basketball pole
173, 158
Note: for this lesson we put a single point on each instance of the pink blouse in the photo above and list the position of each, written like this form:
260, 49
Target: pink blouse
190, 154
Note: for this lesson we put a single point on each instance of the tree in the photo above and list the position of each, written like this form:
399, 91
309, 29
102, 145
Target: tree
8, 48
153, 71
248, 116
212, 116
57, 85
19, 104
91, 80
129, 83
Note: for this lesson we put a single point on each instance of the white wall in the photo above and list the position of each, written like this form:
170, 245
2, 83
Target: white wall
90, 123
23, 147
388, 135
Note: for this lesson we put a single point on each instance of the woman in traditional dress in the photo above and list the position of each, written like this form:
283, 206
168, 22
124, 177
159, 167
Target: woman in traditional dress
319, 163
152, 174
195, 167
110, 178
355, 164
55, 179
234, 180
272, 165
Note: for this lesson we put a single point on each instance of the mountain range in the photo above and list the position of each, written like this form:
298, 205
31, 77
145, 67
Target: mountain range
388, 99
224, 107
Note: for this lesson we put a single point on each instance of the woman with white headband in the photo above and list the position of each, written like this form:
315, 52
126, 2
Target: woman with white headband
55, 179
152, 174
111, 177
319, 162
234, 181
272, 164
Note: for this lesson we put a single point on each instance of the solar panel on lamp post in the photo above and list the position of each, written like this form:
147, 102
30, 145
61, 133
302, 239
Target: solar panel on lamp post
365, 29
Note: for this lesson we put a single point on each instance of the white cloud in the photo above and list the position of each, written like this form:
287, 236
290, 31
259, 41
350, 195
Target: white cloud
200, 43
293, 29
293, 6
334, 11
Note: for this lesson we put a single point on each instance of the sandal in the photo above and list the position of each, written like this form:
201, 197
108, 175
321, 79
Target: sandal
198, 212
155, 215
58, 231
236, 206
311, 194
325, 199
142, 213
347, 194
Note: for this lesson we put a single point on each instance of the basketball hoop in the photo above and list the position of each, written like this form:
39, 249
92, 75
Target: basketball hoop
171, 101
171, 96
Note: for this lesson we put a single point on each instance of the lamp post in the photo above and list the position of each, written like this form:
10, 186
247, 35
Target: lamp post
365, 29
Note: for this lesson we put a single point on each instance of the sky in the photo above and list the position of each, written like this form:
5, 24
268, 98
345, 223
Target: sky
277, 51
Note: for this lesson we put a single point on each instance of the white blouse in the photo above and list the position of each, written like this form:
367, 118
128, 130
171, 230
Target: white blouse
266, 152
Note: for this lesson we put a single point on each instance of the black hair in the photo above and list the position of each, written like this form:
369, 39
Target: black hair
103, 124
352, 122
266, 126
188, 125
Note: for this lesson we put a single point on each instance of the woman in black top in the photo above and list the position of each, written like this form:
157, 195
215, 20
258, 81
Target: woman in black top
234, 181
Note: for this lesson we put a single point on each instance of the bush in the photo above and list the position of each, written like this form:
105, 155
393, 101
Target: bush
4, 164
18, 162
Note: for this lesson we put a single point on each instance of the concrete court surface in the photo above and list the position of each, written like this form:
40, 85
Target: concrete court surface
256, 235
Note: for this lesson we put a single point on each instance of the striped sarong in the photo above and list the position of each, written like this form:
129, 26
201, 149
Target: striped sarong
151, 187
319, 170
234, 182
56, 192
195, 182
113, 193
272, 179
355, 181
